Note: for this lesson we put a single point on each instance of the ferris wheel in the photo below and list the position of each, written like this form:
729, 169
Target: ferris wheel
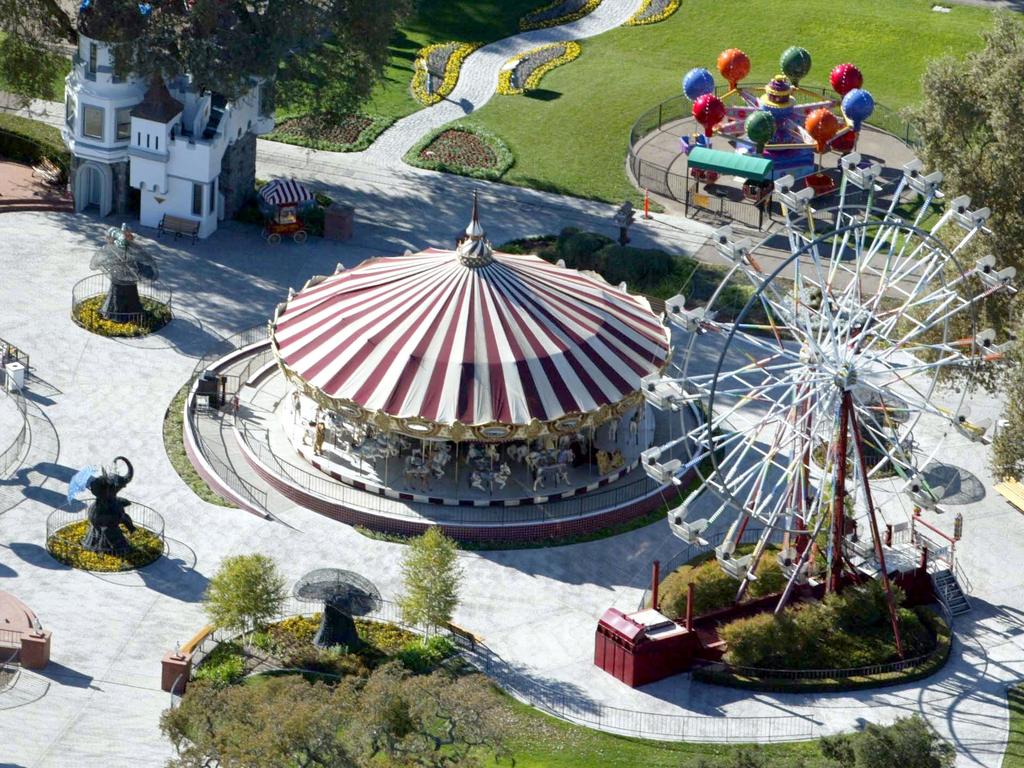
809, 394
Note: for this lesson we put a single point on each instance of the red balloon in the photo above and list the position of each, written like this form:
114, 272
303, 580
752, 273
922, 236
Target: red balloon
734, 65
709, 111
822, 124
845, 143
846, 77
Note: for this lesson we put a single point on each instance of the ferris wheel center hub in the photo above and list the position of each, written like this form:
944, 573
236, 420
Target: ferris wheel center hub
845, 378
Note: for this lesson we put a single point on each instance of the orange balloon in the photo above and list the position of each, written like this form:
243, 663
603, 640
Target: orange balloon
734, 65
822, 124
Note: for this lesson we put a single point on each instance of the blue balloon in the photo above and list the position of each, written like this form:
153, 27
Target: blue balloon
697, 83
858, 105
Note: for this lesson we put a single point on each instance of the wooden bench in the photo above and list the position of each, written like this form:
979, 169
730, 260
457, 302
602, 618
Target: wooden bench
464, 634
178, 226
47, 171
1012, 491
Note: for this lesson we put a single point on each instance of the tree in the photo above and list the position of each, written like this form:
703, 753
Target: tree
246, 592
432, 577
282, 721
908, 743
1007, 458
221, 43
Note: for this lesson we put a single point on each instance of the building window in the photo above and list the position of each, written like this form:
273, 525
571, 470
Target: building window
92, 122
93, 54
138, 138
213, 195
148, 137
197, 199
156, 139
69, 113
124, 123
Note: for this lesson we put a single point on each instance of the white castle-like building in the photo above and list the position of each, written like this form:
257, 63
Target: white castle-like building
161, 148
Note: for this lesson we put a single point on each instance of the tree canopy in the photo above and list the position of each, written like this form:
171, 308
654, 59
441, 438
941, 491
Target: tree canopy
246, 592
431, 575
221, 43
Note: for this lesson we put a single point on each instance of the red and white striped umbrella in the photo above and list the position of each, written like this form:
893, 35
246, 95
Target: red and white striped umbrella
426, 336
285, 192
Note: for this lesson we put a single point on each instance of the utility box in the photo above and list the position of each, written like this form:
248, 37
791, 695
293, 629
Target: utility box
14, 373
338, 221
643, 647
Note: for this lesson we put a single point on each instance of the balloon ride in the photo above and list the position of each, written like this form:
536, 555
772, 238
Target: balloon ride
782, 122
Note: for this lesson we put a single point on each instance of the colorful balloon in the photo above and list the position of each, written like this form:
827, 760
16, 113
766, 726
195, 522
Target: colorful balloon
796, 63
709, 111
697, 83
845, 77
822, 125
760, 128
858, 105
734, 65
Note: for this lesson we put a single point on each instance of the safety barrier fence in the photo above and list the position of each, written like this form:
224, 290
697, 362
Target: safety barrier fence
141, 515
94, 286
10, 455
659, 178
561, 509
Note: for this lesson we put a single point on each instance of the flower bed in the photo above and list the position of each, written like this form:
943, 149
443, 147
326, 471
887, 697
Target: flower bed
531, 66
350, 133
653, 11
556, 13
439, 58
66, 547
87, 314
466, 150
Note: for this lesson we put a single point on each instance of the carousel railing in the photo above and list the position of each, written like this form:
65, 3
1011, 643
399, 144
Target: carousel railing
637, 488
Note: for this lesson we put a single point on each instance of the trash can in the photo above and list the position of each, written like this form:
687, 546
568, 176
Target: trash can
338, 220
15, 376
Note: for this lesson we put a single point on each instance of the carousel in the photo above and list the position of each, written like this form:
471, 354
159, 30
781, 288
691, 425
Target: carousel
467, 376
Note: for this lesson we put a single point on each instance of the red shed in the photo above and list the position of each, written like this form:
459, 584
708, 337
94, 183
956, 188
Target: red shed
642, 647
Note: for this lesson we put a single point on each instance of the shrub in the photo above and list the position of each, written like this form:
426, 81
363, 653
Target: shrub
909, 743
87, 315
639, 268
66, 547
313, 221
28, 141
387, 638
224, 665
579, 249
713, 588
424, 655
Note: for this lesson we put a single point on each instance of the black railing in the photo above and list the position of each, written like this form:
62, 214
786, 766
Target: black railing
94, 286
12, 453
661, 180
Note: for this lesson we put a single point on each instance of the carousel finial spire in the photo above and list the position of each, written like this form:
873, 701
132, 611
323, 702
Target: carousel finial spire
475, 251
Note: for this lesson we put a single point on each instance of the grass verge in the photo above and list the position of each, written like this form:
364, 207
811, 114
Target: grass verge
571, 136
174, 445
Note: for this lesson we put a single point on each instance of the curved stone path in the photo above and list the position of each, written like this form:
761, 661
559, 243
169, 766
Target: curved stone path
478, 79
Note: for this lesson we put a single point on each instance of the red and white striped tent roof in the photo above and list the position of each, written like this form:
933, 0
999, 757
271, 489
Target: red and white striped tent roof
285, 192
426, 337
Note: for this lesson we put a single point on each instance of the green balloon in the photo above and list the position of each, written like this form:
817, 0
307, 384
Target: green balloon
760, 128
795, 63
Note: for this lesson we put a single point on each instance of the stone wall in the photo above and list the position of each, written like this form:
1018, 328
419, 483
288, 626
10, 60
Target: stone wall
121, 187
238, 173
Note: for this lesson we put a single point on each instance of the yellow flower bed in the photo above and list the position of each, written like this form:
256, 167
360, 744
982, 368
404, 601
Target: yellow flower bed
451, 71
571, 52
527, 23
66, 547
637, 19
87, 314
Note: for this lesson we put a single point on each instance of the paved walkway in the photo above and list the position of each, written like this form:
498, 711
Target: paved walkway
478, 79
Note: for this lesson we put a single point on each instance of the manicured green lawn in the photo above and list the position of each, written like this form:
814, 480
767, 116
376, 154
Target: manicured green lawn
539, 741
1014, 757
438, 21
574, 139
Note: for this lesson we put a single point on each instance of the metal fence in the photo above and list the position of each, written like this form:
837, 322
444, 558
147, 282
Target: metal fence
10, 456
141, 515
10, 638
94, 286
560, 509
661, 180
576, 707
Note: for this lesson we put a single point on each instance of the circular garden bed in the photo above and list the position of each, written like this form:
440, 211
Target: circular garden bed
155, 315
465, 150
347, 133
65, 544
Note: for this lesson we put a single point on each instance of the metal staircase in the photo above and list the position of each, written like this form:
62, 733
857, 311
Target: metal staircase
947, 589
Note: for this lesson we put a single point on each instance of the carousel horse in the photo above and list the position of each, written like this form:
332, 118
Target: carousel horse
517, 452
558, 471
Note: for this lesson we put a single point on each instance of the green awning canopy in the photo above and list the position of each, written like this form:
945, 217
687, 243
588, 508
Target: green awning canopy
732, 163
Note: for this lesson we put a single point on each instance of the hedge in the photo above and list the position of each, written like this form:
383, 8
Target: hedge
501, 151
28, 141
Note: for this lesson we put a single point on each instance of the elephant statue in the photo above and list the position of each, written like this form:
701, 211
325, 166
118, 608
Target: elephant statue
107, 512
